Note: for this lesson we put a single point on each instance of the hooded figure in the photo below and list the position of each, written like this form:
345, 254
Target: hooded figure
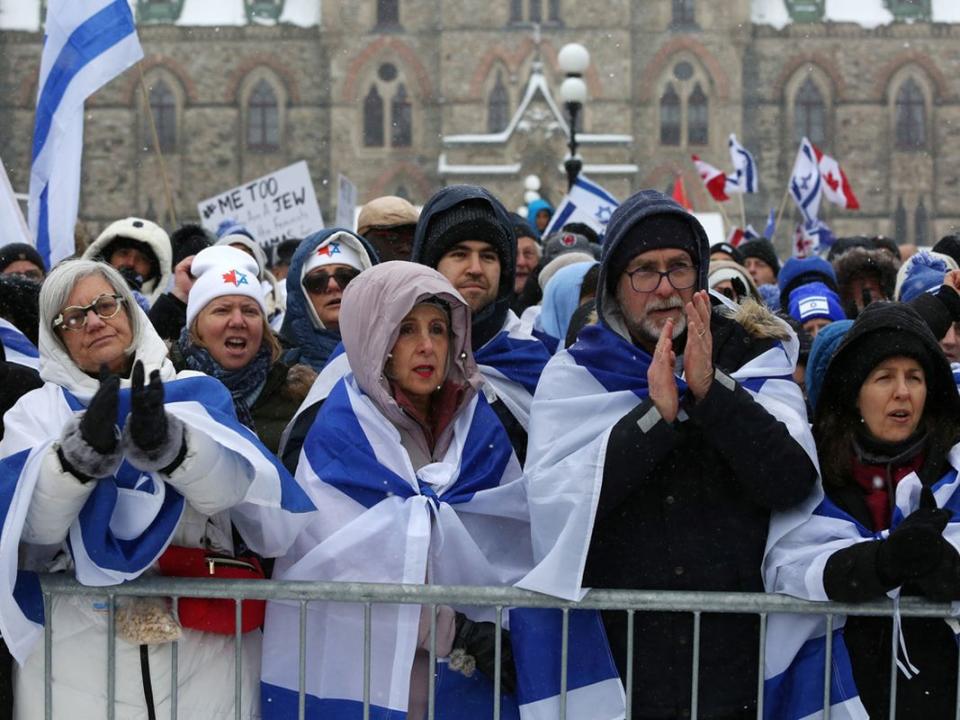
864, 275
887, 424
561, 298
136, 236
673, 492
104, 503
416, 483
510, 358
310, 340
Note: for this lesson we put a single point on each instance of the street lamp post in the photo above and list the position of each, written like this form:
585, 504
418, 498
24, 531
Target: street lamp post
573, 61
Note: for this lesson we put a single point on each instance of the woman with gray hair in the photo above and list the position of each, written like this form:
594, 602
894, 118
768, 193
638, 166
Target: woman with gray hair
115, 460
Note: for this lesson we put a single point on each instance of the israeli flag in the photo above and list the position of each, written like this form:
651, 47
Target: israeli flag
798, 547
17, 347
459, 521
745, 178
805, 184
87, 44
129, 519
586, 202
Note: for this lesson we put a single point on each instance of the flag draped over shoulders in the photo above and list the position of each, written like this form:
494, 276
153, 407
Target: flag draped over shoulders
459, 521
129, 518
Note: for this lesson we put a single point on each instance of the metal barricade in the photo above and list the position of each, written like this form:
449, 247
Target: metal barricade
499, 598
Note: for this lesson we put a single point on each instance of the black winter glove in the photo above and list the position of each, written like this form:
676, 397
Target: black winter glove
942, 584
153, 440
148, 420
97, 428
478, 639
915, 548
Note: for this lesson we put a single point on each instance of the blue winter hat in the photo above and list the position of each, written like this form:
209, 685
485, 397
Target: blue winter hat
824, 345
771, 296
925, 273
814, 300
799, 271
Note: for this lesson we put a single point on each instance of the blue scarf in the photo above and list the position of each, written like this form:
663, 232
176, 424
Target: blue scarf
244, 384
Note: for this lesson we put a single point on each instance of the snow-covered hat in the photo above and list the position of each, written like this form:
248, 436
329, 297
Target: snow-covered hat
223, 270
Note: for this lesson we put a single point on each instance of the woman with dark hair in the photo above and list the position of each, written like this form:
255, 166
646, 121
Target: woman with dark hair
887, 427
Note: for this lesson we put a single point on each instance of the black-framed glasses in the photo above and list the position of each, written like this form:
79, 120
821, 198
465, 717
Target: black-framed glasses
680, 277
74, 317
318, 282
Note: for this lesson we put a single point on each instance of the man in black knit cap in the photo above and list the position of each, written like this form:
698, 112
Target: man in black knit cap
467, 235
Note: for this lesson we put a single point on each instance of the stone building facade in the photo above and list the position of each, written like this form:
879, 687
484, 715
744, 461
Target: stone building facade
403, 96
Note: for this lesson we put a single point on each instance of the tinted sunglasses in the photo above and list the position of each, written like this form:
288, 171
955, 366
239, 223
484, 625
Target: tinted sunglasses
318, 282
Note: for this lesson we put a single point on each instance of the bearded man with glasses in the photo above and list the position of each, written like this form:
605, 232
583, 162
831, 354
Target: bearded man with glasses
660, 443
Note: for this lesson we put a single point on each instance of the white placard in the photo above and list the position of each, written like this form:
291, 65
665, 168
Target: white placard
346, 202
275, 207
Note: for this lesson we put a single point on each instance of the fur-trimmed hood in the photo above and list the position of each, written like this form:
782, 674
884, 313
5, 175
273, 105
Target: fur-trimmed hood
860, 261
757, 320
142, 231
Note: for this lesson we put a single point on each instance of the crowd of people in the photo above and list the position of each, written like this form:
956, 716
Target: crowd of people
444, 396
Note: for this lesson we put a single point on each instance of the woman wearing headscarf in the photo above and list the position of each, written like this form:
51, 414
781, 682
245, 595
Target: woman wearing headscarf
227, 336
320, 270
887, 424
112, 460
417, 483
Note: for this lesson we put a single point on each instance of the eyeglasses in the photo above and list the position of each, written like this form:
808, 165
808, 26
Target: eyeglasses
74, 317
317, 283
680, 277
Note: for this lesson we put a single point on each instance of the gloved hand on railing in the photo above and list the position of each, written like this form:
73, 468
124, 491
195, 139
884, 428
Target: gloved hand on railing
915, 547
153, 439
89, 448
478, 640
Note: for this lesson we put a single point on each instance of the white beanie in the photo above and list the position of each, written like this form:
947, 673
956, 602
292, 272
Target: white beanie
222, 270
335, 251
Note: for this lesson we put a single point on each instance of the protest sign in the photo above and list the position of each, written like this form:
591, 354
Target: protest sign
275, 207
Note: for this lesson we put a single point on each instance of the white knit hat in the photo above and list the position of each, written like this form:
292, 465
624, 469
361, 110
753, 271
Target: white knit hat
337, 250
222, 270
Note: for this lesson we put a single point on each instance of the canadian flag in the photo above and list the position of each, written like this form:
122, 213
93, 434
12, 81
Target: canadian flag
714, 179
836, 188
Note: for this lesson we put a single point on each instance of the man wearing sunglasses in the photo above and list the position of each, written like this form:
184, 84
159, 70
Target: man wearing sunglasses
660, 444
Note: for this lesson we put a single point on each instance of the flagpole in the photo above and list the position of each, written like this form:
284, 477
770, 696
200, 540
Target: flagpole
156, 146
743, 213
723, 210
783, 203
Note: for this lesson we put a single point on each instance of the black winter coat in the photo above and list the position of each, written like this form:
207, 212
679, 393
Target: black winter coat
685, 506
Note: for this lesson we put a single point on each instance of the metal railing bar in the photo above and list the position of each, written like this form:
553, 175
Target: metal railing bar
827, 667
48, 656
432, 675
302, 664
894, 650
111, 655
761, 662
497, 657
695, 670
646, 600
237, 658
629, 688
367, 612
174, 667
564, 649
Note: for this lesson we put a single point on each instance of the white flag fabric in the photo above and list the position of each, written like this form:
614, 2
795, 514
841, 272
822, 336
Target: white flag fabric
805, 187
745, 178
87, 43
586, 202
11, 218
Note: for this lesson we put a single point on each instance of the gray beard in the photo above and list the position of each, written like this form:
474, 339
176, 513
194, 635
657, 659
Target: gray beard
646, 332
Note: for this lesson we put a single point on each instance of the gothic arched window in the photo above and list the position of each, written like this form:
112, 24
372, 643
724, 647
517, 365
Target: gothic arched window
263, 119
809, 114
498, 106
373, 135
910, 117
163, 107
669, 117
401, 125
698, 117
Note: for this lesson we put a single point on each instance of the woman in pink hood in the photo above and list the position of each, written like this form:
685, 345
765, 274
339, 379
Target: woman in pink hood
416, 482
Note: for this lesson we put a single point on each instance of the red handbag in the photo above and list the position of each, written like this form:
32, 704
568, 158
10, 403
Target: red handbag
214, 615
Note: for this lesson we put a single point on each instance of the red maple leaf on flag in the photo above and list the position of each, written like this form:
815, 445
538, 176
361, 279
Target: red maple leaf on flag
832, 182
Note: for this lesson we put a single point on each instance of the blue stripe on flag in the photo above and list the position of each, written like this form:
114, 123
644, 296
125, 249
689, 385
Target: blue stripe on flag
43, 227
798, 691
29, 596
87, 42
828, 509
519, 360
469, 698
17, 341
560, 218
596, 190
27, 589
278, 702
535, 637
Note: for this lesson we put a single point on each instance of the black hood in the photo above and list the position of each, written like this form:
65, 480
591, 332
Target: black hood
490, 319
636, 208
